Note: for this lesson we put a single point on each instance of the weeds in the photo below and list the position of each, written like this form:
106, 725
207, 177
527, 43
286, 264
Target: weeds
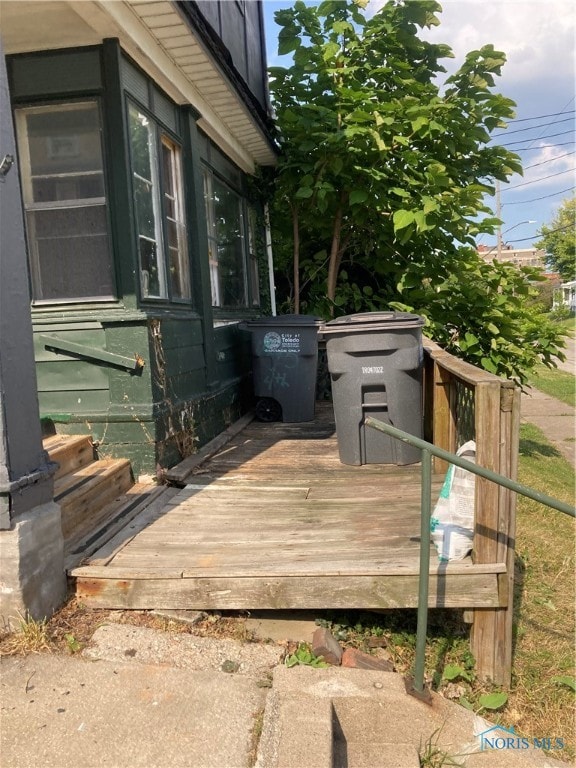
30, 636
433, 756
304, 655
255, 736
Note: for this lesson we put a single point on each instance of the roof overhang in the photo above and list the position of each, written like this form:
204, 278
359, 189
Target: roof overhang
160, 39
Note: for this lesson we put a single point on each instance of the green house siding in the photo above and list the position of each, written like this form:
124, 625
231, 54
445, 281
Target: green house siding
150, 379
154, 415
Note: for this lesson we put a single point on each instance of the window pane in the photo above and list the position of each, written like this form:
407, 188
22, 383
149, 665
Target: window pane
71, 248
60, 153
230, 238
175, 235
149, 267
147, 203
140, 143
65, 152
144, 207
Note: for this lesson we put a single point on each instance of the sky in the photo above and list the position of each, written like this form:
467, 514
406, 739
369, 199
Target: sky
539, 39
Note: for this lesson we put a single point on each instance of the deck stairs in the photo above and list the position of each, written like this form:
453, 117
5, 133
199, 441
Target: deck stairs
97, 496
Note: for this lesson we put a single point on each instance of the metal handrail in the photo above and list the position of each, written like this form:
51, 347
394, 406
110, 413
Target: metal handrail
428, 450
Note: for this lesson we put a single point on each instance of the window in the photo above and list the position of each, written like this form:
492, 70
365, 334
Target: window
231, 245
226, 248
159, 210
60, 148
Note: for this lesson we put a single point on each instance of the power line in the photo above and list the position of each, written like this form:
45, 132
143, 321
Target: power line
541, 135
525, 239
549, 136
535, 181
550, 159
532, 127
560, 229
542, 146
541, 117
523, 202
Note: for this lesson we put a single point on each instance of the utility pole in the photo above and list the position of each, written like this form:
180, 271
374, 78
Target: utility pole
498, 216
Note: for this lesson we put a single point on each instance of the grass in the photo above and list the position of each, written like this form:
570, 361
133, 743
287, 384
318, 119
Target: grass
553, 382
545, 615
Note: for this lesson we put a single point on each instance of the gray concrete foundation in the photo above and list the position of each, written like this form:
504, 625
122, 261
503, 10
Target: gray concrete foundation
32, 574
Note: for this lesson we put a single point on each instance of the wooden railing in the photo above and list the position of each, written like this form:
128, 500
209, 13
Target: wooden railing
462, 402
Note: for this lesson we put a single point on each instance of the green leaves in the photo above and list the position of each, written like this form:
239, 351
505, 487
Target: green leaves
565, 680
303, 655
388, 173
402, 219
493, 701
358, 196
455, 672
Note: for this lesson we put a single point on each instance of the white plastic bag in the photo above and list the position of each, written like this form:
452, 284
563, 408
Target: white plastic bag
452, 522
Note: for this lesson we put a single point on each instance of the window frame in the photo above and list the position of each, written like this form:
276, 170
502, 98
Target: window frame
210, 171
162, 137
21, 111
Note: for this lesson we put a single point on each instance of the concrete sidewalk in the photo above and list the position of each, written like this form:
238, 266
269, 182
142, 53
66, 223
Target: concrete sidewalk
555, 419
142, 698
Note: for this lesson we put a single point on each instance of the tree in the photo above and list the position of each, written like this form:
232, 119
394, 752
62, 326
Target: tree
559, 240
382, 175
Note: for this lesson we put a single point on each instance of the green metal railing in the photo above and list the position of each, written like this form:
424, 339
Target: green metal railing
428, 450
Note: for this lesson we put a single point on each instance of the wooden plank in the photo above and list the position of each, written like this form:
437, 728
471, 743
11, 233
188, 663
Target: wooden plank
93, 486
323, 592
180, 472
115, 517
107, 552
403, 567
487, 414
509, 443
70, 452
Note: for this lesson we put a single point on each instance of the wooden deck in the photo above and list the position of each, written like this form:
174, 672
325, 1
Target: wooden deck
274, 520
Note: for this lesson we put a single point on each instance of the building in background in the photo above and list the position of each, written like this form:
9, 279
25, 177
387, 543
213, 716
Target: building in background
521, 257
139, 126
565, 296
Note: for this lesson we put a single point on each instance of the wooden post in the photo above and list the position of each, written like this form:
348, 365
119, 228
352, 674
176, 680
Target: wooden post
444, 421
487, 623
509, 430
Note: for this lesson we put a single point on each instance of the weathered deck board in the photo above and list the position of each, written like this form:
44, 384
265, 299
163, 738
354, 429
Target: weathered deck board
274, 520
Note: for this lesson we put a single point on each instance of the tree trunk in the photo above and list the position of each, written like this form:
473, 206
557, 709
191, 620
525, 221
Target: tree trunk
335, 257
296, 252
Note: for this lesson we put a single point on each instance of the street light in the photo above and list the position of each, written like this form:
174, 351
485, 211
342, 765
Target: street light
500, 233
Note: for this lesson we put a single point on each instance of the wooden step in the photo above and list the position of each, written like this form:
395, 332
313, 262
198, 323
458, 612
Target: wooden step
84, 493
114, 521
71, 452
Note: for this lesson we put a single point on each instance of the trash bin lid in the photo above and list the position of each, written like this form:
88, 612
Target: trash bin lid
281, 320
374, 321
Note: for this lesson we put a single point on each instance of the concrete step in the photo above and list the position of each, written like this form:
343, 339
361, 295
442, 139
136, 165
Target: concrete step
327, 725
364, 736
297, 732
82, 494
70, 452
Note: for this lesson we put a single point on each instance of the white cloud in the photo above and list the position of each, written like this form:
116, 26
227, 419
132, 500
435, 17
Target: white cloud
537, 36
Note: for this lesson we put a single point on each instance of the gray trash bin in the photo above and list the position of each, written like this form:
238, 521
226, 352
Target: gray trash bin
284, 366
375, 364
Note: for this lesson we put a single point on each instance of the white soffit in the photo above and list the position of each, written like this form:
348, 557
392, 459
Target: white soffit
159, 39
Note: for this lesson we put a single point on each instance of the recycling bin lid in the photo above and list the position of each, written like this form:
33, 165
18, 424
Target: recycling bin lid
373, 321
281, 320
